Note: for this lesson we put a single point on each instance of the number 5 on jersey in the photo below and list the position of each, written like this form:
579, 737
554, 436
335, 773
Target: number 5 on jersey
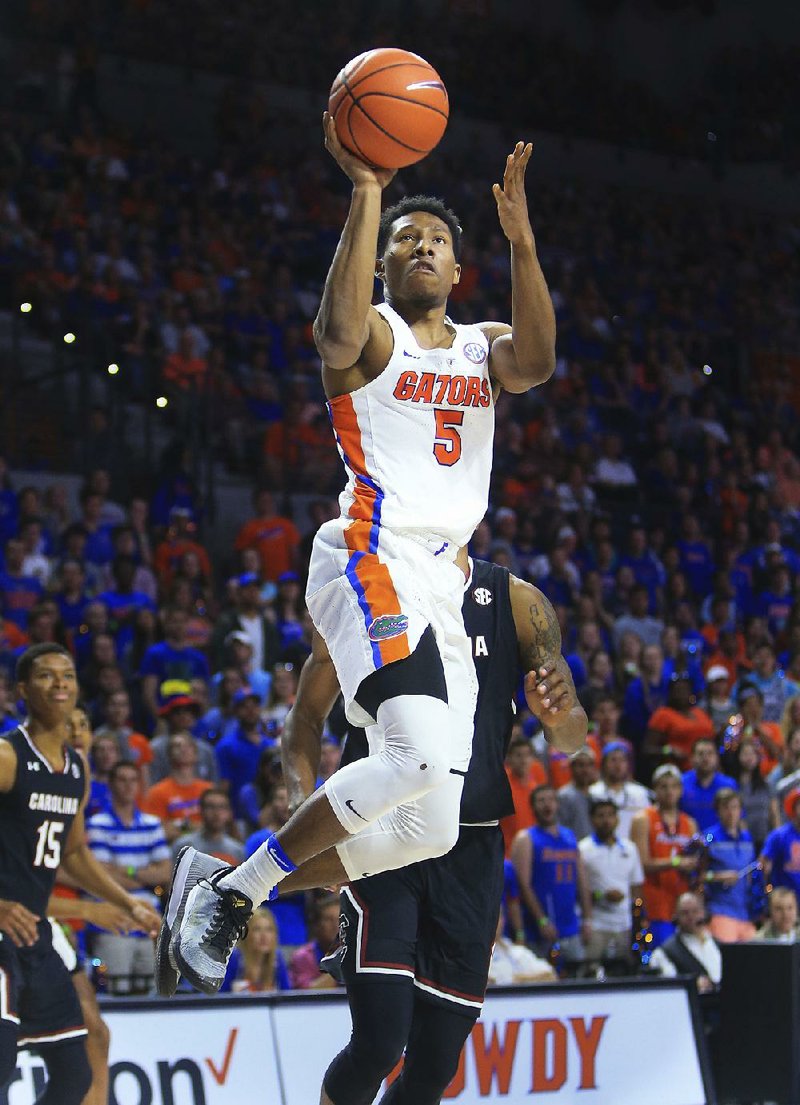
48, 847
447, 447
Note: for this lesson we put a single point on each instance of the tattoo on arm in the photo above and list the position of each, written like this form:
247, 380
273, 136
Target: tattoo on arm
544, 648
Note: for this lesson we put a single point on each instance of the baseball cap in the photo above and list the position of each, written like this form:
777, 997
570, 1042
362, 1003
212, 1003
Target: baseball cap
243, 694
790, 801
717, 671
246, 578
175, 701
615, 746
666, 769
238, 635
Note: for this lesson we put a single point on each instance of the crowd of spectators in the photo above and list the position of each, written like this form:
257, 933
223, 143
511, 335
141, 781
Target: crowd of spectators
651, 489
202, 276
743, 108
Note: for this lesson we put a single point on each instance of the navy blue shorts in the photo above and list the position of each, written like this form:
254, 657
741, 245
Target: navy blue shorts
37, 997
433, 922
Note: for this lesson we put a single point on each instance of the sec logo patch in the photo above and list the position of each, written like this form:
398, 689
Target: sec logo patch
475, 352
482, 595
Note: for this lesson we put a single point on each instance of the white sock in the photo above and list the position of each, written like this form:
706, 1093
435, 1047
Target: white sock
258, 876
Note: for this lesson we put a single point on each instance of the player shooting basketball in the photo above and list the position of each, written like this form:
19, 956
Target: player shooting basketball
411, 397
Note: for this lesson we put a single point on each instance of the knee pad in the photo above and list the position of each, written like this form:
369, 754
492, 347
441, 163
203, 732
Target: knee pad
409, 833
416, 738
414, 759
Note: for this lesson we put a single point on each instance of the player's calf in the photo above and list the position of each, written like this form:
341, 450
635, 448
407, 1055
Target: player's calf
381, 1020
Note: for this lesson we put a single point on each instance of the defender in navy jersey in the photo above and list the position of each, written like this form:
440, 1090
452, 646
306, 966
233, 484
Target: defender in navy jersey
417, 942
43, 788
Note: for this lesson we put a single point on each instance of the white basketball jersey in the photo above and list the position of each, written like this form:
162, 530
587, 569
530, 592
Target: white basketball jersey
417, 441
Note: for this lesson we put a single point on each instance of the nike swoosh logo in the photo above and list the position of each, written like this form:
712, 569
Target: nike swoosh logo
351, 807
413, 356
277, 858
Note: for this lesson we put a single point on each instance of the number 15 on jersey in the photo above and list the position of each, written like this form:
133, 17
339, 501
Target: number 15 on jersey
48, 844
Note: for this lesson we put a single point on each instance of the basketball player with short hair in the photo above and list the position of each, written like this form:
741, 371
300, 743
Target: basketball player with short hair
43, 790
411, 397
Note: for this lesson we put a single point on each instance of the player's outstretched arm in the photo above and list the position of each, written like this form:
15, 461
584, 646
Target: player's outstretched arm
91, 876
346, 317
103, 914
549, 689
524, 354
301, 742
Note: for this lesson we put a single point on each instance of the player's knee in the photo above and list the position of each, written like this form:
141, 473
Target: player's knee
431, 1064
380, 1055
355, 1075
440, 838
416, 739
429, 1077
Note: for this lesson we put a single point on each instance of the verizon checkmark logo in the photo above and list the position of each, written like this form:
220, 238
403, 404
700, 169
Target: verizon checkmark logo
220, 1074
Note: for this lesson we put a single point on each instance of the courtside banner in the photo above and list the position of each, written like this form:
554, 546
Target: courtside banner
613, 1044
600, 1045
634, 1047
172, 1053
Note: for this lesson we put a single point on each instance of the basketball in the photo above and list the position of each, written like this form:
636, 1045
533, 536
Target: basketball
390, 107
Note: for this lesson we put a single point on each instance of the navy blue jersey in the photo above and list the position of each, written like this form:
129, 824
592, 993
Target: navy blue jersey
489, 622
36, 816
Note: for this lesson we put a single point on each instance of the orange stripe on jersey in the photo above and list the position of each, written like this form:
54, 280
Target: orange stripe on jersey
348, 433
378, 589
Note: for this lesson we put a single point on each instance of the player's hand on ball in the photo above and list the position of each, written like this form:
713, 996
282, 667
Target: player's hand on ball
548, 695
19, 923
145, 917
512, 203
357, 170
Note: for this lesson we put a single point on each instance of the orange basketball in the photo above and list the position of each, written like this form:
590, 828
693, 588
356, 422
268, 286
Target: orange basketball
390, 107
